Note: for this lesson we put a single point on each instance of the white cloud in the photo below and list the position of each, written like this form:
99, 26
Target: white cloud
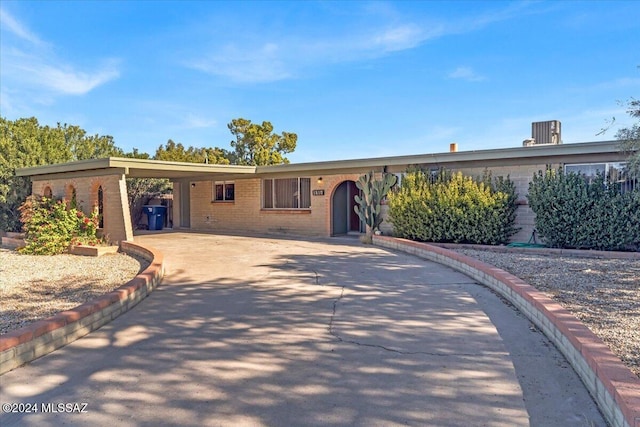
466, 73
285, 57
399, 38
54, 76
29, 65
194, 121
262, 64
6, 103
258, 57
64, 80
11, 24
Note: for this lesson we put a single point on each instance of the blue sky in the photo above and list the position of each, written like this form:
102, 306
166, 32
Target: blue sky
352, 79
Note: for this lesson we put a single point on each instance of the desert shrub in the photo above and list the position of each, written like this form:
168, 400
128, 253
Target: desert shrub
453, 208
572, 212
50, 227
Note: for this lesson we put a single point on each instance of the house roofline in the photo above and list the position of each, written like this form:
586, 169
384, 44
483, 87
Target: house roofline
181, 170
542, 151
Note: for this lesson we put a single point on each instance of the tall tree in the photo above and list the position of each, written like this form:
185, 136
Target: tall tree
140, 190
88, 147
630, 138
25, 143
257, 144
178, 153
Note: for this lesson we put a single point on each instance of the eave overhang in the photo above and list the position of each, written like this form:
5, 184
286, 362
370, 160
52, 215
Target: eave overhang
176, 171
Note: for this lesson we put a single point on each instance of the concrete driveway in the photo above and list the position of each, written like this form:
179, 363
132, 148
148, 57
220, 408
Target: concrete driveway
255, 331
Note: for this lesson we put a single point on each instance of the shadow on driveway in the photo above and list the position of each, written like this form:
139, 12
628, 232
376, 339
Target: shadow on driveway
257, 331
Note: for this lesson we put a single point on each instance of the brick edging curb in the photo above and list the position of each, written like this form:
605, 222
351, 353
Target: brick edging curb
614, 387
44, 336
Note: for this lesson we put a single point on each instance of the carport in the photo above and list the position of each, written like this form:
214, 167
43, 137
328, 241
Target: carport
102, 183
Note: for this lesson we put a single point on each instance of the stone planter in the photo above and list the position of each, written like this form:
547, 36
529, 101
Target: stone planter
92, 250
13, 240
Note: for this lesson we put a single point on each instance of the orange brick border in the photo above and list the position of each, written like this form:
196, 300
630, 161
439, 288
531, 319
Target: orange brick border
614, 387
39, 338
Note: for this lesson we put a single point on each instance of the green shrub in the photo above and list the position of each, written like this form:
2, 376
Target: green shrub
453, 208
574, 213
50, 227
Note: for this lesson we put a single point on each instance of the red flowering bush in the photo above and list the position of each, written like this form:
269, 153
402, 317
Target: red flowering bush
85, 234
50, 227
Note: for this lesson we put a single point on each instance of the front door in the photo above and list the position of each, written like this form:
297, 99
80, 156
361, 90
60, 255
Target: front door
343, 216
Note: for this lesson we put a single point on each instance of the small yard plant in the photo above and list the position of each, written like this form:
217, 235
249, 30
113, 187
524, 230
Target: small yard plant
50, 226
451, 207
572, 212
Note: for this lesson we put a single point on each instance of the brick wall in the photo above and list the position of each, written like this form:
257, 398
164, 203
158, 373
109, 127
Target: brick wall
245, 213
116, 217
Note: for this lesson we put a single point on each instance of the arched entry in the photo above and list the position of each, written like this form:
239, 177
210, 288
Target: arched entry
343, 218
100, 207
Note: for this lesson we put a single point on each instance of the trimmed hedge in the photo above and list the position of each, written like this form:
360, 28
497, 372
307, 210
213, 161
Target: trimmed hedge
453, 208
574, 213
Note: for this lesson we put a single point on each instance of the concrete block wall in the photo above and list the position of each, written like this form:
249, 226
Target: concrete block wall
613, 386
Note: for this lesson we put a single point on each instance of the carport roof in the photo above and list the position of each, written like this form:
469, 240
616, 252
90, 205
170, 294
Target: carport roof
141, 168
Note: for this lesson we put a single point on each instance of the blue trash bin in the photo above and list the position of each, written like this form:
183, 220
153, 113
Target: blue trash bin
155, 216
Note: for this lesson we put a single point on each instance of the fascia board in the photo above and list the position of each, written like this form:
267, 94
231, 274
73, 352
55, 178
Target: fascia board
540, 152
137, 167
181, 170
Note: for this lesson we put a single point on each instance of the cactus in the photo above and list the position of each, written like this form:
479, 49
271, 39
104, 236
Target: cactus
373, 191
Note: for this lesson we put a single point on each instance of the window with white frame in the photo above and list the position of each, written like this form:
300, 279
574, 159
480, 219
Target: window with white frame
224, 191
286, 193
614, 173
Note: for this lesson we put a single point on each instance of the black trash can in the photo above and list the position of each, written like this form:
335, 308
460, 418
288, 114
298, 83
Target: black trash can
155, 216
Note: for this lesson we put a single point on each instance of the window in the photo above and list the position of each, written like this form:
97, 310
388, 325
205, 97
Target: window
72, 197
588, 170
224, 191
614, 173
100, 207
286, 193
399, 177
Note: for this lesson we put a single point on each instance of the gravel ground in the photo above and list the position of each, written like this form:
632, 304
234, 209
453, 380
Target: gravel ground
36, 287
603, 293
